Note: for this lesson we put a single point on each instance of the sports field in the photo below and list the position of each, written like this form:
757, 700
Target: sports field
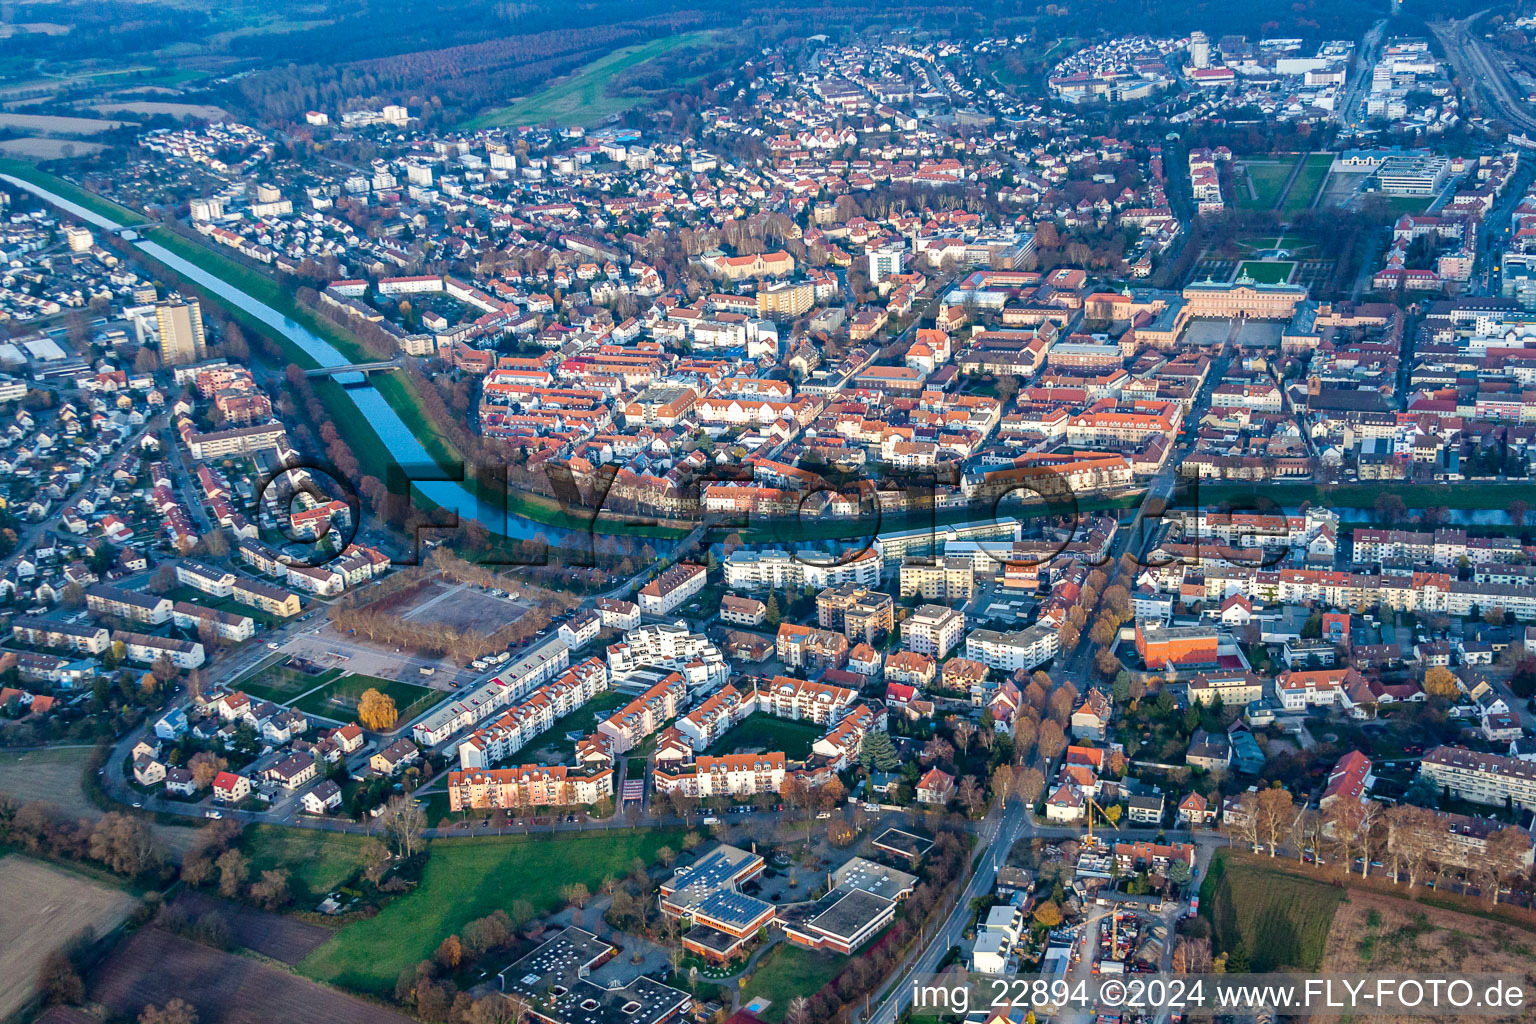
338, 699
582, 97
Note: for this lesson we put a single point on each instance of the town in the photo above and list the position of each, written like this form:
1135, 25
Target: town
716, 526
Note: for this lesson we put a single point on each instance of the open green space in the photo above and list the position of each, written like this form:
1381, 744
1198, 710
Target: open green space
1268, 179
466, 879
581, 719
787, 971
410, 699
282, 684
69, 190
1278, 920
1308, 183
763, 732
1266, 272
316, 861
582, 97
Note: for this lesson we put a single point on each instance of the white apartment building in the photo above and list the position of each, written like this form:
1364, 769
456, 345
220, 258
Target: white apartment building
933, 630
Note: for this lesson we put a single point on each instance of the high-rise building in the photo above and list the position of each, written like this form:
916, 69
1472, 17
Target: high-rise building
1199, 49
885, 262
181, 331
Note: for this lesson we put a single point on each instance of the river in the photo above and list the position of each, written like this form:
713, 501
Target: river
372, 407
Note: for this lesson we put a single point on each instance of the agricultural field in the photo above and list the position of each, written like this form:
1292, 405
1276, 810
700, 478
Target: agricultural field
466, 879
52, 775
56, 125
272, 935
582, 97
41, 908
1376, 932
317, 862
760, 733
155, 966
149, 108
1279, 920
38, 148
337, 700
789, 971
1266, 271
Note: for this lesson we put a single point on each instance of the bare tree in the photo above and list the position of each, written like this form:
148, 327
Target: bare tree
404, 821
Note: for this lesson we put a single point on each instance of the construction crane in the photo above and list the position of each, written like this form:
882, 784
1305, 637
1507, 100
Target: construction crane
1094, 806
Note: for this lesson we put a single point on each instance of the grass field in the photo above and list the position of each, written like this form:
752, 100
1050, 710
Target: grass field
410, 699
1308, 183
582, 97
41, 908
1266, 273
74, 193
468, 878
789, 971
281, 684
767, 733
316, 861
1268, 180
1279, 920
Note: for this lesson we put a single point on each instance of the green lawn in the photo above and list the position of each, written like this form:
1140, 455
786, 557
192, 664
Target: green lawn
281, 684
1313, 173
765, 732
317, 862
789, 971
90, 200
582, 718
468, 878
1281, 921
1266, 272
582, 97
410, 699
1268, 180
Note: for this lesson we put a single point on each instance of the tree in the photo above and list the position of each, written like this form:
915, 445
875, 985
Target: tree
404, 821
272, 891
1028, 783
1344, 818
1504, 857
206, 766
970, 795
798, 1011
1275, 814
58, 981
450, 953
1048, 914
177, 1011
878, 753
1440, 682
233, 871
125, 845
376, 710
1052, 739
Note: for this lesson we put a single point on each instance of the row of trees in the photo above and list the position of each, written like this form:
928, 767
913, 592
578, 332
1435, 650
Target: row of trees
1413, 843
